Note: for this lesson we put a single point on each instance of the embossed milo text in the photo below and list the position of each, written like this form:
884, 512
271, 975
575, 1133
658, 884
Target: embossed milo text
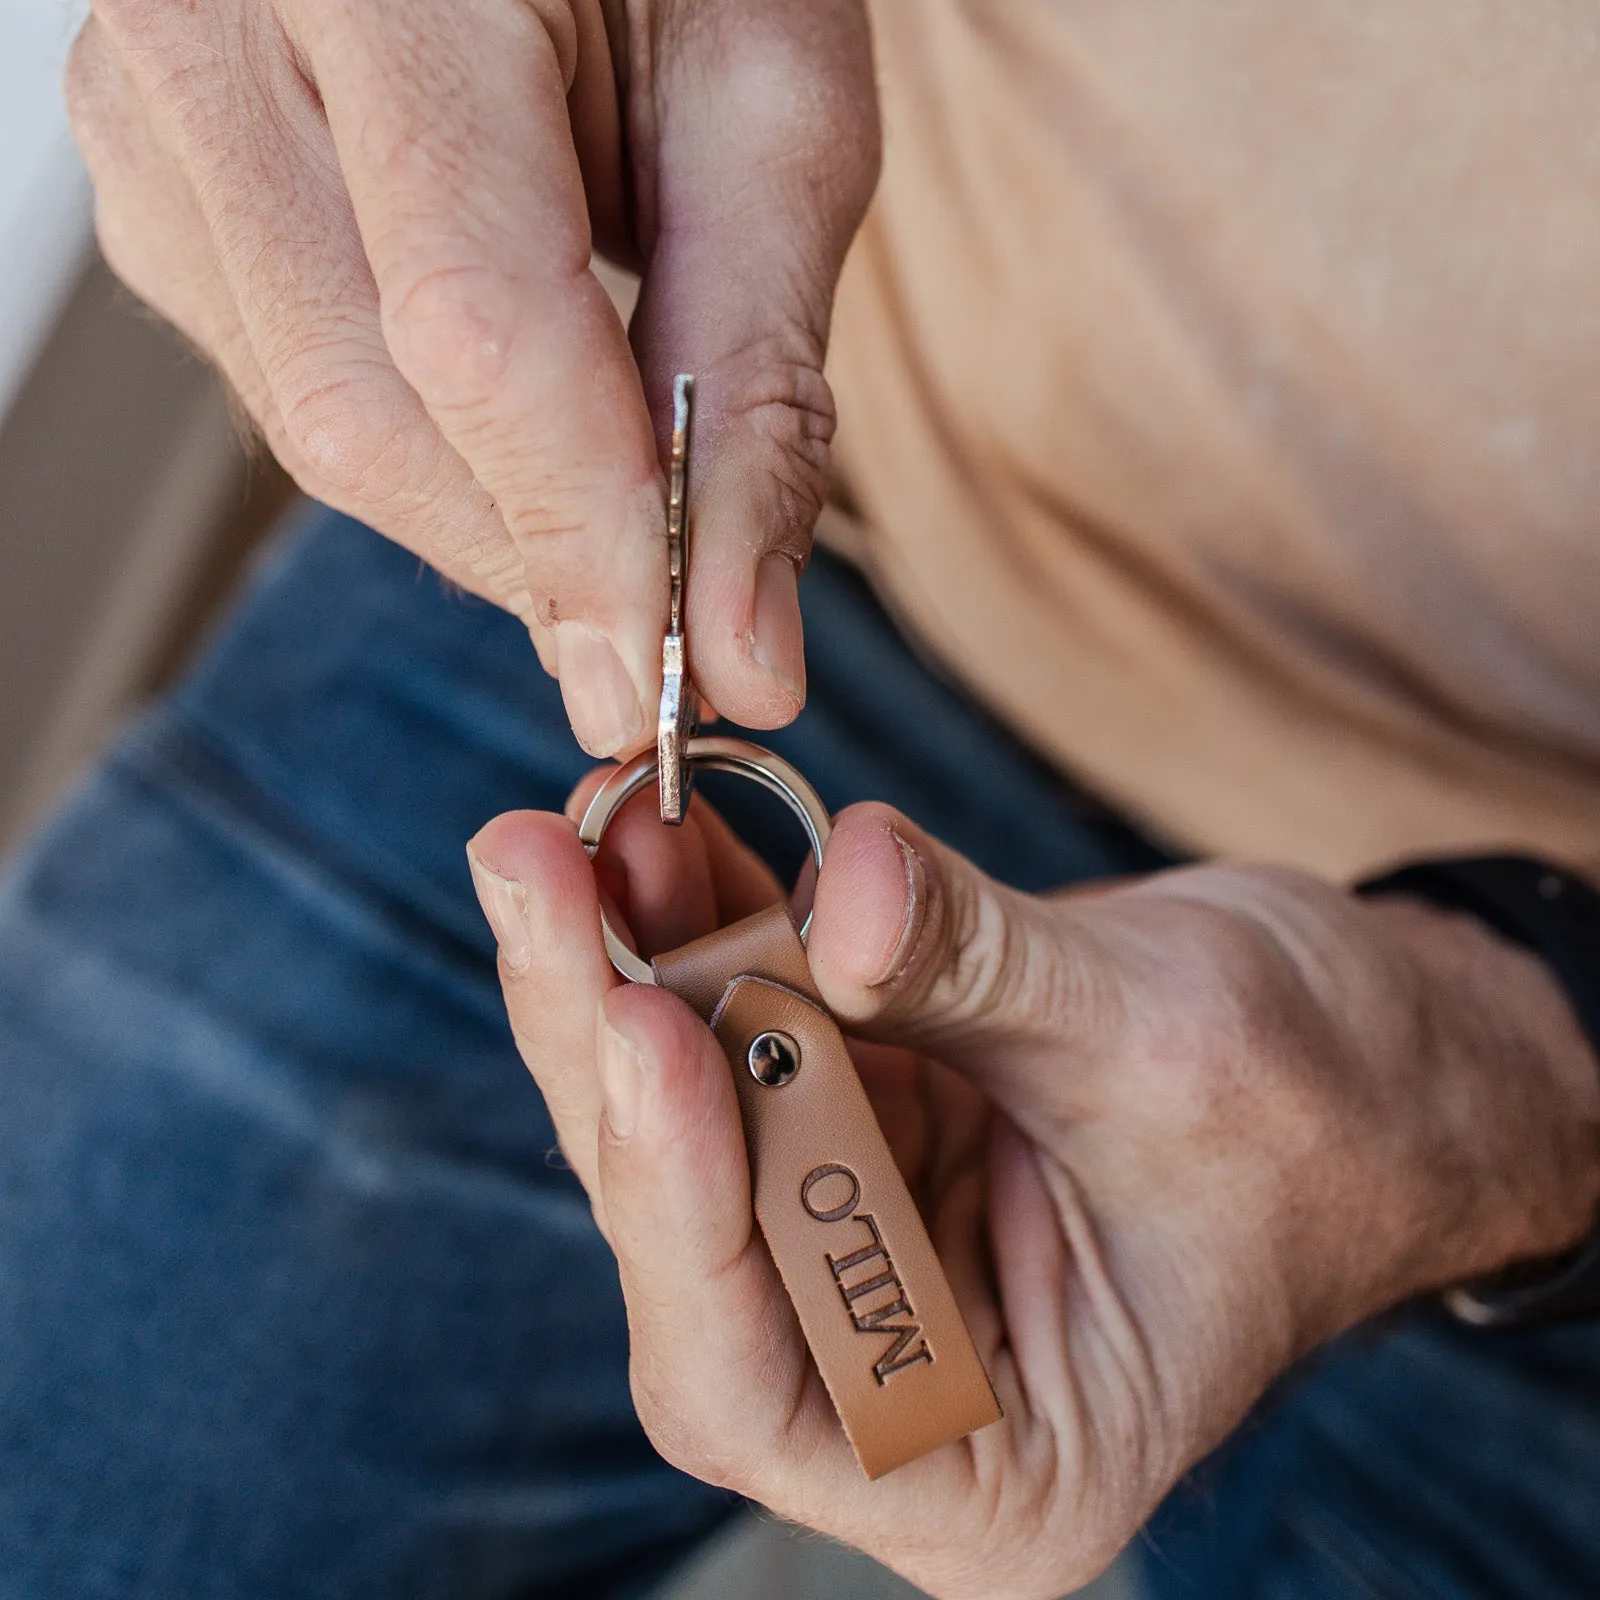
871, 1289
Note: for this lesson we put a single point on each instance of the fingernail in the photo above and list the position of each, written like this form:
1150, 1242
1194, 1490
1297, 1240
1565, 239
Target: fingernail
916, 911
604, 706
505, 904
621, 1080
777, 640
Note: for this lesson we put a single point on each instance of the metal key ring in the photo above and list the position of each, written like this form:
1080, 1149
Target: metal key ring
737, 756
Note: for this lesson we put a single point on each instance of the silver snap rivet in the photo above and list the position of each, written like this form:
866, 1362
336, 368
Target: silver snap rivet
774, 1059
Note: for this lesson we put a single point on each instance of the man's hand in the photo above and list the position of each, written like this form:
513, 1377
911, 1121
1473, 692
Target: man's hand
1168, 1136
377, 217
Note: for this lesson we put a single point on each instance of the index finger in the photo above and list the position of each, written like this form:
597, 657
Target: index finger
539, 895
455, 140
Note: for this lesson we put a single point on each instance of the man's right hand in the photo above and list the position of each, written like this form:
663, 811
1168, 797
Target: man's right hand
377, 218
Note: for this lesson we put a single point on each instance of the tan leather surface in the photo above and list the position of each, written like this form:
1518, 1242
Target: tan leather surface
872, 1298
762, 946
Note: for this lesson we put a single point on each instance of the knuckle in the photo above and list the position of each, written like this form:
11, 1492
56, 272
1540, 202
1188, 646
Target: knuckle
135, 20
451, 329
125, 253
353, 436
481, 556
679, 1435
531, 1043
342, 431
979, 957
85, 83
108, 122
1244, 968
140, 260
1221, 1048
787, 407
997, 966
177, 59
801, 95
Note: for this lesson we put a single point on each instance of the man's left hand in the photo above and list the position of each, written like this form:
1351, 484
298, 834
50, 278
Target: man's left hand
1168, 1135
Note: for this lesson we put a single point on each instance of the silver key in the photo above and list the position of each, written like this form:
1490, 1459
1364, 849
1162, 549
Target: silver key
679, 718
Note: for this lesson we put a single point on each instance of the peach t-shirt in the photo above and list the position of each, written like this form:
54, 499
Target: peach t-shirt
1220, 399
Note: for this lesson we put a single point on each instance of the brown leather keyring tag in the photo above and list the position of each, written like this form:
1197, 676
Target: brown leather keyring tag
849, 1243
873, 1301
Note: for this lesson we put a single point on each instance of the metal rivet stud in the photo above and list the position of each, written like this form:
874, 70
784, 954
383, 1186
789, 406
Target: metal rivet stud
774, 1059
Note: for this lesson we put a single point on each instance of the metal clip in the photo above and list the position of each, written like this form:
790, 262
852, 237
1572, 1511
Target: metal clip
679, 718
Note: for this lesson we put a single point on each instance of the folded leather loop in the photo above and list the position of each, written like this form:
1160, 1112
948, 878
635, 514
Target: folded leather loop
762, 946
872, 1298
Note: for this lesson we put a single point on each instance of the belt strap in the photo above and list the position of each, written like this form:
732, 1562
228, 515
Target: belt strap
873, 1301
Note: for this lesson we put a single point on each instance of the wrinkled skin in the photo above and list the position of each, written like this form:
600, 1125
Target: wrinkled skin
1169, 1136
377, 218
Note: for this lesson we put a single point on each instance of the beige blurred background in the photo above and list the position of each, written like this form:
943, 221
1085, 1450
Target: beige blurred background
128, 506
126, 499
130, 509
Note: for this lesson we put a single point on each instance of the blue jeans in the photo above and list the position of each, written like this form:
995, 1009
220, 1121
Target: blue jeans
295, 1301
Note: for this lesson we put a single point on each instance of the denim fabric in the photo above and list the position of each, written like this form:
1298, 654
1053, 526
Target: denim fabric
295, 1302
1420, 1461
293, 1299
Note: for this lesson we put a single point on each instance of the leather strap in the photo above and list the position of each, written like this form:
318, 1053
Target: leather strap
873, 1301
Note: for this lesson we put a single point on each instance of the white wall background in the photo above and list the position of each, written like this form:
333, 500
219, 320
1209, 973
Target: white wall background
44, 195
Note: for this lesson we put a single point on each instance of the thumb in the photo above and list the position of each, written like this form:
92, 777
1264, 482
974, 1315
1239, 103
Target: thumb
911, 942
759, 157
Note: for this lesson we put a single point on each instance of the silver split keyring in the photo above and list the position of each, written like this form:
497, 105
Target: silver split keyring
738, 756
